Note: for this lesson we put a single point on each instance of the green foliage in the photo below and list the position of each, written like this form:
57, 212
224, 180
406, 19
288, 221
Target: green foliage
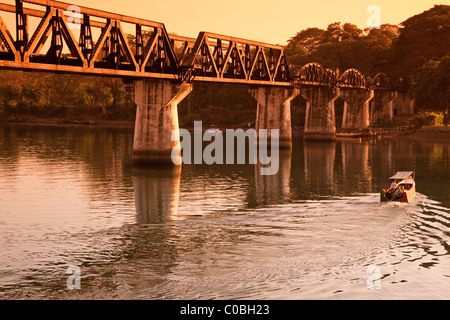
218, 105
76, 97
343, 46
427, 119
424, 37
431, 88
60, 95
419, 49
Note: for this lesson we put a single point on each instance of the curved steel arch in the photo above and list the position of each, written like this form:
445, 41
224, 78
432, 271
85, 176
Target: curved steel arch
353, 78
315, 74
382, 82
333, 76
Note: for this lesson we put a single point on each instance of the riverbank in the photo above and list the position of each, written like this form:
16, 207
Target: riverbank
30, 120
432, 133
93, 121
425, 132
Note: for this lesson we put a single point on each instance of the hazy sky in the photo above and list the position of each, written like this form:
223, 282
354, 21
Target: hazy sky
273, 21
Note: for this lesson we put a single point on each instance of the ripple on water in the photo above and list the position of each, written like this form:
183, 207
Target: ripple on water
305, 249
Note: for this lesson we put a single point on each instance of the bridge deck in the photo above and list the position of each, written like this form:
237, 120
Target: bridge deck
65, 31
76, 39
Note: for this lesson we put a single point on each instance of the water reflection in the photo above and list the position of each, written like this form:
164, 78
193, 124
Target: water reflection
69, 196
156, 192
319, 167
274, 188
312, 169
356, 169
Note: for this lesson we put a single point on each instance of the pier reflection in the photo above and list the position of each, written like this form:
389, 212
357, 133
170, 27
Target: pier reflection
165, 194
274, 188
70, 196
356, 171
157, 191
381, 156
339, 168
319, 167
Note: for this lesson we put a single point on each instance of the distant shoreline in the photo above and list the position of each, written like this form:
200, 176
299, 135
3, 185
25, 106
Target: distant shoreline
437, 133
426, 132
62, 122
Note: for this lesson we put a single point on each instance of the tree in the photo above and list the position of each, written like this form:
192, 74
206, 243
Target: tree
7, 94
307, 40
431, 89
344, 46
379, 43
423, 38
303, 43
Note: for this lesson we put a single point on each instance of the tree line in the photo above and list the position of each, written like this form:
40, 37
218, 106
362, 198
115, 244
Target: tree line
418, 48
64, 96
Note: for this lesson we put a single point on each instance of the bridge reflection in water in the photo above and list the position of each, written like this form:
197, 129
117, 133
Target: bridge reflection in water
163, 76
319, 167
216, 231
157, 193
274, 188
316, 169
355, 165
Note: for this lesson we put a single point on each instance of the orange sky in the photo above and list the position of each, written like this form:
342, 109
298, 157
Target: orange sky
272, 21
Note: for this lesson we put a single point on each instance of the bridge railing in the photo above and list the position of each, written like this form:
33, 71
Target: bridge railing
353, 78
77, 39
68, 38
230, 59
314, 74
74, 48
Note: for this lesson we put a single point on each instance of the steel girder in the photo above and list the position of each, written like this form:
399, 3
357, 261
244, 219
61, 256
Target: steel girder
110, 53
153, 53
237, 60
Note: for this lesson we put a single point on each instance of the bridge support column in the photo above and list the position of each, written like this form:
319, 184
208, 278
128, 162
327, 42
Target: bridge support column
382, 106
274, 112
356, 108
403, 104
320, 118
156, 120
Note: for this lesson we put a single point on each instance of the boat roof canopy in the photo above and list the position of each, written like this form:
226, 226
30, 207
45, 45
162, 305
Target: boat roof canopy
407, 181
402, 175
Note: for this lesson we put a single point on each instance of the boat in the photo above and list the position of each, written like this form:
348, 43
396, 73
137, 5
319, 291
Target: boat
402, 188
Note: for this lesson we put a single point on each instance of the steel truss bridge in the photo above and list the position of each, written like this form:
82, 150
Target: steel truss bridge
98, 45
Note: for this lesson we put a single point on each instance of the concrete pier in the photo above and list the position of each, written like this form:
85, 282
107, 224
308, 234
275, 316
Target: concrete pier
403, 104
156, 119
274, 112
356, 108
320, 117
382, 107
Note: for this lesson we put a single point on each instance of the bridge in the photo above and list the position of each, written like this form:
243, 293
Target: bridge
163, 67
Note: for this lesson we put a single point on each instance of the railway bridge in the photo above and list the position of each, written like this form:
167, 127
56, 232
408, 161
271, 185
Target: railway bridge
53, 36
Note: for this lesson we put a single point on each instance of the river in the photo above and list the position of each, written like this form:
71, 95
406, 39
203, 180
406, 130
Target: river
71, 198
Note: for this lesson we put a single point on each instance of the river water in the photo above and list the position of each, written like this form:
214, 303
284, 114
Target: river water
70, 198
